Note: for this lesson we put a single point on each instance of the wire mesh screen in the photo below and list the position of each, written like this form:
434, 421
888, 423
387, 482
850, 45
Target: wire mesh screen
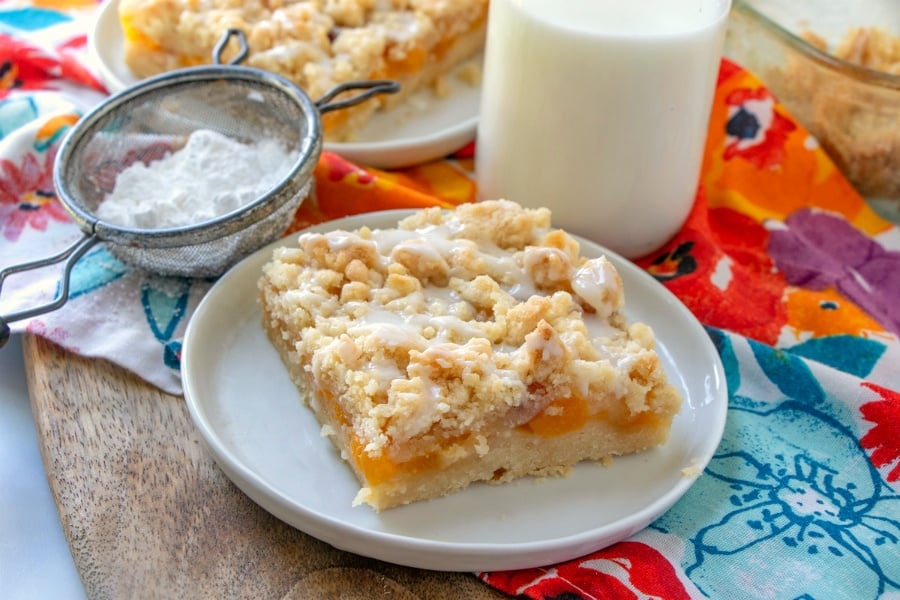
158, 121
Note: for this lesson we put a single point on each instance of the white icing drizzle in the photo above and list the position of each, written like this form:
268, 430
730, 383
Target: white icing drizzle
598, 284
437, 320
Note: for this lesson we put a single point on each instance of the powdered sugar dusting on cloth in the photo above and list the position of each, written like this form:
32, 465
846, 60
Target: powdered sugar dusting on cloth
210, 176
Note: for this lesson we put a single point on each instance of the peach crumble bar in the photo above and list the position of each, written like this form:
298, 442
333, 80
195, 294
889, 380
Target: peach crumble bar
468, 345
317, 44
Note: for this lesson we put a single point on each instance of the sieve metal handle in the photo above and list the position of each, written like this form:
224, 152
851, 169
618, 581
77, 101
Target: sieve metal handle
371, 88
243, 47
68, 257
324, 104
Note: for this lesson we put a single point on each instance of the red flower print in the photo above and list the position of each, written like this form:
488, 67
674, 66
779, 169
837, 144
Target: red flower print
883, 440
27, 196
624, 571
727, 70
755, 130
717, 265
467, 151
71, 66
339, 169
24, 67
55, 334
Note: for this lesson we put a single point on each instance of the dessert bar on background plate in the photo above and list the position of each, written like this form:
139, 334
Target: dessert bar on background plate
423, 128
316, 45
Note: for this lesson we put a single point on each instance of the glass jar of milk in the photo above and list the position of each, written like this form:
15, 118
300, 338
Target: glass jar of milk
598, 110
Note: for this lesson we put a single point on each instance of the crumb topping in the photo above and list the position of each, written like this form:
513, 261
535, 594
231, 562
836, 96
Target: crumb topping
458, 322
871, 47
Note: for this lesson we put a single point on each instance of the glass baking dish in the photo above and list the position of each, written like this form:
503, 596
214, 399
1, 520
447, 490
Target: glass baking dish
853, 111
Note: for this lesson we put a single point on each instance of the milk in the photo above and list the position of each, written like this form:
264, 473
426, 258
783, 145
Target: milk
598, 109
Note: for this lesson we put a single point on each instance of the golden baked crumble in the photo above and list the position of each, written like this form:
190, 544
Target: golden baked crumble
871, 47
317, 44
467, 345
855, 122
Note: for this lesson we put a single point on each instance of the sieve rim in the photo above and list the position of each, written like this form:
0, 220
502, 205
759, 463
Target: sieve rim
291, 184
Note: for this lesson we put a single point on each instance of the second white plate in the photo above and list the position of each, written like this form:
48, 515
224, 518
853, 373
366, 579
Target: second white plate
425, 128
251, 416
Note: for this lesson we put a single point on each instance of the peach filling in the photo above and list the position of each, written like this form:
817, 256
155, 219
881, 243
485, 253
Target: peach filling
564, 415
379, 469
137, 38
560, 416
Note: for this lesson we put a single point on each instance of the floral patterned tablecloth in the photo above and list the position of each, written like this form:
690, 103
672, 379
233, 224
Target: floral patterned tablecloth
796, 280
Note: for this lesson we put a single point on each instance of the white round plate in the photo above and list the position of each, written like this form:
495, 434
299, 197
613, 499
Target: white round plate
424, 128
261, 435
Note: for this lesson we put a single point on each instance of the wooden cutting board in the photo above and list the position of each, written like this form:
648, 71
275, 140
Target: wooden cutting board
148, 514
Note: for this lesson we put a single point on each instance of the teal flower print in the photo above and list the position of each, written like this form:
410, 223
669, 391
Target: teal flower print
790, 506
802, 501
165, 300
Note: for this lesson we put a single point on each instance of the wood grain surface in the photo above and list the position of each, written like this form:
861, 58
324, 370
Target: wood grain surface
148, 514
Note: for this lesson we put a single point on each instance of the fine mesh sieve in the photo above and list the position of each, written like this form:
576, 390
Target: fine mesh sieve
154, 118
